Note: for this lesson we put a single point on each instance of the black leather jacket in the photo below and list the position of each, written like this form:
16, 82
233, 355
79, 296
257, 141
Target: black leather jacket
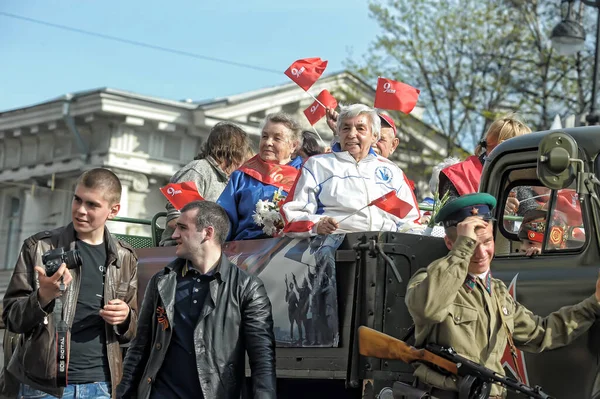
236, 318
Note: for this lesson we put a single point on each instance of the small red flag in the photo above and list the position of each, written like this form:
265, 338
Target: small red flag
392, 204
316, 111
395, 95
306, 72
181, 194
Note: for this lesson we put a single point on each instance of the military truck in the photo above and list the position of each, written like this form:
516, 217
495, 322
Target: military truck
558, 169
372, 269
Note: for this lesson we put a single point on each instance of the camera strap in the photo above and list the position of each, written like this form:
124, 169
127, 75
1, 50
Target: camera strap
62, 343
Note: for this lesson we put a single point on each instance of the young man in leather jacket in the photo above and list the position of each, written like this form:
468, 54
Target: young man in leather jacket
98, 301
201, 314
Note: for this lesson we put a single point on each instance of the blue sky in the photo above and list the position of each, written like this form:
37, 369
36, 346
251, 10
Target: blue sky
40, 62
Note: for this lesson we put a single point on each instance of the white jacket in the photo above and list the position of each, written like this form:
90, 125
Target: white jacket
335, 185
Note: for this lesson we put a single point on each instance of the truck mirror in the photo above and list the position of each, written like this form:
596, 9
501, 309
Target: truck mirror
555, 153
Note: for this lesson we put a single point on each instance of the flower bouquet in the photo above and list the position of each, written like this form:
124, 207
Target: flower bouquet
267, 214
438, 203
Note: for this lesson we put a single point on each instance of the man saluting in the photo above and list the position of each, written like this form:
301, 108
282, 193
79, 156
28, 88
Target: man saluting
456, 302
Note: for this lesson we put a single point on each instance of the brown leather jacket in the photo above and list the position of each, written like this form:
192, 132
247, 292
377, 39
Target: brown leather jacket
34, 360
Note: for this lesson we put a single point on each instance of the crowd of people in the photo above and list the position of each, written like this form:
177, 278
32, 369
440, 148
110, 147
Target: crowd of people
74, 319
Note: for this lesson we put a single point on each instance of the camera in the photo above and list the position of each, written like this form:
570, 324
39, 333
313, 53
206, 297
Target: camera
55, 257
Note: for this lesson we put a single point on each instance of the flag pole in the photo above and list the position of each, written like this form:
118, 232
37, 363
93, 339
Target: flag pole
315, 98
354, 213
318, 135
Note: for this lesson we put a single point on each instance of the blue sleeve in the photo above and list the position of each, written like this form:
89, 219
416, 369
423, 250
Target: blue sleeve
229, 200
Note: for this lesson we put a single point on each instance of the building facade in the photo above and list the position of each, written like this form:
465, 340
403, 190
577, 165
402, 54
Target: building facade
144, 140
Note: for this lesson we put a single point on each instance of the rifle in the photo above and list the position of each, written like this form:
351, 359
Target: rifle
477, 379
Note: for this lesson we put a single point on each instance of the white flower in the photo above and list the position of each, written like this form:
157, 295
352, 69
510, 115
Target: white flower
262, 206
267, 214
270, 230
257, 219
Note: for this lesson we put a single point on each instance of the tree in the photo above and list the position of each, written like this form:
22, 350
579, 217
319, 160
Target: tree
474, 61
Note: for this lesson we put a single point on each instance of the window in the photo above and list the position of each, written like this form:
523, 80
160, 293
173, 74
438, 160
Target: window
172, 149
537, 220
12, 153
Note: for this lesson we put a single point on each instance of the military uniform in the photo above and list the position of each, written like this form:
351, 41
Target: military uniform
452, 308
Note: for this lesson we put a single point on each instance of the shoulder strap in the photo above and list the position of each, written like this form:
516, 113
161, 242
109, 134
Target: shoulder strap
511, 343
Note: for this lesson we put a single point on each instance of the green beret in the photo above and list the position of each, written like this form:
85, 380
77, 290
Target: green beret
458, 209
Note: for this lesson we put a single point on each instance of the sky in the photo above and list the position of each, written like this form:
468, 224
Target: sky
40, 62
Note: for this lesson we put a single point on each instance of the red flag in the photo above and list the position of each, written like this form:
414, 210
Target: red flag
395, 95
181, 194
392, 204
306, 72
316, 111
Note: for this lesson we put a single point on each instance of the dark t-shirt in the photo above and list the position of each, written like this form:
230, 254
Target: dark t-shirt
88, 359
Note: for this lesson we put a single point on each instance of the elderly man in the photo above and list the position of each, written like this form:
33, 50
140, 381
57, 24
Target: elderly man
334, 191
456, 302
388, 139
200, 316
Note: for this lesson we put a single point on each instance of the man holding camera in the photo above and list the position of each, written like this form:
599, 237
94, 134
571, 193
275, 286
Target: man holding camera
72, 300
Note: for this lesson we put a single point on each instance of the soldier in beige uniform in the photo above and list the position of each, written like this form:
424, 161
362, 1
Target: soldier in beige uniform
456, 302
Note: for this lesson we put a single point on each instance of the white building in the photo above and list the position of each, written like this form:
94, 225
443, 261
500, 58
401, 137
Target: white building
144, 140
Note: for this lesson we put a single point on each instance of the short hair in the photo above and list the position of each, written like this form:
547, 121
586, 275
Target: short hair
503, 129
452, 233
310, 144
227, 144
210, 214
353, 110
287, 121
105, 180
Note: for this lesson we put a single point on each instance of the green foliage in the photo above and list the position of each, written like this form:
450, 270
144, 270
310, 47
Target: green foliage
475, 61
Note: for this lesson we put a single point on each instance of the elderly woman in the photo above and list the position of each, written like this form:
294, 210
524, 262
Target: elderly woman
266, 176
226, 148
333, 192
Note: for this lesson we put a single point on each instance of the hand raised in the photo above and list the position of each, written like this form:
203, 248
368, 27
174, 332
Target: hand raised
512, 206
467, 227
332, 117
50, 286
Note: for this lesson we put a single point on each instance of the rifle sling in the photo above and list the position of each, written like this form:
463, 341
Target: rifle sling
511, 343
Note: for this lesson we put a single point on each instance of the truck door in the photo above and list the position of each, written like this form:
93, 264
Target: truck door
562, 271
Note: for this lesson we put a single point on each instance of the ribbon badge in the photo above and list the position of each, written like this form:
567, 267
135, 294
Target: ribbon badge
161, 316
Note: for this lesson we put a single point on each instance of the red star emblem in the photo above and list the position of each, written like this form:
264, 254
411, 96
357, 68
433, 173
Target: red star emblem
474, 211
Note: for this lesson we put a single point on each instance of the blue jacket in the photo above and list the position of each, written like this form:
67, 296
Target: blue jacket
239, 200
